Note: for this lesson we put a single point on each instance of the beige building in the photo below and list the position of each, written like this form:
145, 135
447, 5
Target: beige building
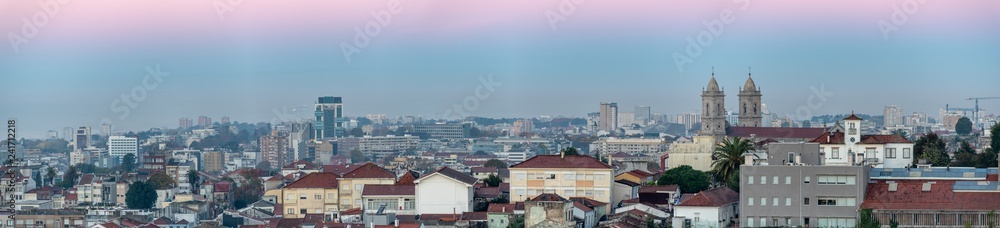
568, 176
315, 193
629, 145
353, 183
212, 161
697, 154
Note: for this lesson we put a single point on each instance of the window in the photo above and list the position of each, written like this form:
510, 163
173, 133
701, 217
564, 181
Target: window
551, 176
763, 201
835, 201
599, 177
775, 180
836, 222
570, 193
763, 180
599, 193
519, 176
806, 179
345, 187
805, 201
750, 222
835, 180
569, 176
750, 201
289, 196
774, 201
358, 187
870, 152
302, 196
291, 210
890, 152
519, 192
750, 180
835, 153
345, 202
357, 202
330, 196
788, 201
763, 222
788, 179
319, 196
906, 152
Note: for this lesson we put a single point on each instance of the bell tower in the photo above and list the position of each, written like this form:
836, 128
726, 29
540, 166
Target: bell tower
713, 114
750, 105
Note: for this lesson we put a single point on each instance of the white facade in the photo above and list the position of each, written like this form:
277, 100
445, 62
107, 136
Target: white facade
854, 151
629, 145
119, 146
439, 194
707, 216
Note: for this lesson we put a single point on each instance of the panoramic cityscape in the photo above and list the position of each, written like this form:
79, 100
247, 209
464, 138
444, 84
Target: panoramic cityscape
562, 113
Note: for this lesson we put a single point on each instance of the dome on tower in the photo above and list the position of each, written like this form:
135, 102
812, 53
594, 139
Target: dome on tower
749, 86
713, 85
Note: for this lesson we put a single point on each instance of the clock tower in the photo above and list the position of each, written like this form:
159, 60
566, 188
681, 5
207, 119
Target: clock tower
852, 132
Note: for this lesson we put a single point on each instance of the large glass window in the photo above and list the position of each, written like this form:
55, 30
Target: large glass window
836, 180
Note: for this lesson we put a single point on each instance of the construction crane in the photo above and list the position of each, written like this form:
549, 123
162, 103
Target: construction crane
975, 114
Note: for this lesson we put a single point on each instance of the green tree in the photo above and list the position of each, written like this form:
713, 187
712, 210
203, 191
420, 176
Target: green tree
357, 132
517, 222
868, 220
688, 179
357, 156
734, 183
806, 124
893, 223
69, 179
161, 181
37, 177
965, 156
989, 156
995, 138
728, 157
570, 151
922, 144
992, 216
493, 180
248, 191
480, 152
496, 163
128, 162
964, 126
936, 157
263, 165
193, 177
50, 175
140, 195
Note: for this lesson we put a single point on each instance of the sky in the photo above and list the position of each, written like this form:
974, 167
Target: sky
79, 63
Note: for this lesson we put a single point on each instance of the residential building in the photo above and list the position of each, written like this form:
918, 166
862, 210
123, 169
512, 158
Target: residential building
801, 194
382, 146
315, 193
204, 121
548, 210
664, 196
609, 117
185, 123
396, 198
353, 182
565, 175
50, 218
212, 161
845, 145
443, 130
500, 215
89, 189
624, 190
445, 191
119, 146
629, 145
893, 116
716, 208
329, 118
302, 166
274, 149
81, 138
933, 197
521, 126
643, 114
178, 171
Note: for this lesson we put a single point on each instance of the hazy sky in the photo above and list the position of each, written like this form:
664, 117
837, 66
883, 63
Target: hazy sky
549, 57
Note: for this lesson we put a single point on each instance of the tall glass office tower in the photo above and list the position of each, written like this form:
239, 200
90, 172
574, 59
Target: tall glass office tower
329, 118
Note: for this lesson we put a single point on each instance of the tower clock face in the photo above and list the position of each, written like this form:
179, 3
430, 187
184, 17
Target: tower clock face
852, 139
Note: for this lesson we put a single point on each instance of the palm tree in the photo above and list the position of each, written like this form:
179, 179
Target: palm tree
193, 178
50, 175
729, 156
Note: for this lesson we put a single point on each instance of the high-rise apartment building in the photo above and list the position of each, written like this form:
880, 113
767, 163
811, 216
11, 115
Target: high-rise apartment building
185, 123
204, 121
119, 146
609, 117
81, 138
642, 114
273, 149
893, 116
329, 118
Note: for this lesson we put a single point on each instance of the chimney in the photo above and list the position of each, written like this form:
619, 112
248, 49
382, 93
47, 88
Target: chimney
396, 223
562, 154
503, 209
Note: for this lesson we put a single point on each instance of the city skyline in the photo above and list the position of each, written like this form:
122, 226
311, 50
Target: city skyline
429, 57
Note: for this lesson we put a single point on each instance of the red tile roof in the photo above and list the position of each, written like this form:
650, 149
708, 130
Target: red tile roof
830, 138
657, 188
306, 165
547, 197
487, 192
909, 195
627, 182
490, 169
316, 180
716, 197
501, 208
556, 161
406, 179
640, 174
582, 207
222, 186
388, 190
437, 217
588, 201
453, 174
774, 132
853, 117
474, 216
370, 170
352, 211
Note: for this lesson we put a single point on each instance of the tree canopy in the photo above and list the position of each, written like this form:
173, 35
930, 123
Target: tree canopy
69, 178
128, 162
496, 163
964, 126
357, 156
930, 142
492, 181
140, 195
728, 158
570, 151
688, 179
161, 181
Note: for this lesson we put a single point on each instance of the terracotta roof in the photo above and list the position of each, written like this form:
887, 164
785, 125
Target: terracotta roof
352, 211
71, 197
588, 201
909, 195
388, 190
341, 169
640, 174
110, 225
453, 174
487, 192
556, 161
222, 186
436, 217
582, 207
406, 179
86, 179
774, 132
716, 197
306, 164
830, 138
658, 188
161, 221
370, 170
548, 197
501, 208
474, 216
316, 180
276, 177
853, 117
490, 169
627, 182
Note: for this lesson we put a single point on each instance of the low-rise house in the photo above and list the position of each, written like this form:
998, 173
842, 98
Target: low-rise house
499, 215
624, 190
445, 191
399, 199
315, 193
717, 207
548, 210
301, 166
50, 218
637, 176
352, 183
660, 195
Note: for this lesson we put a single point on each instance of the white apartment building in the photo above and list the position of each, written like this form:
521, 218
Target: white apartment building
845, 145
119, 146
629, 145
